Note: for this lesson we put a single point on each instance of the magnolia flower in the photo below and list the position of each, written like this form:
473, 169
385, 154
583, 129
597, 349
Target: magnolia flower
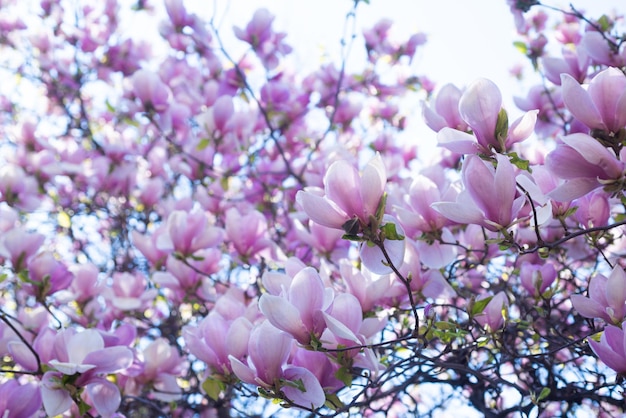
607, 298
603, 105
492, 317
446, 110
476, 204
537, 279
19, 401
298, 310
268, 350
347, 194
612, 347
81, 360
216, 338
480, 107
585, 164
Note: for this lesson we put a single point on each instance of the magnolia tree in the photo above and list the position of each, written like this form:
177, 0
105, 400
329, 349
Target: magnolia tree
190, 232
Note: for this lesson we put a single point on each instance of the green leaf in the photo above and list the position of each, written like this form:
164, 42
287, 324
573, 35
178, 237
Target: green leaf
83, 408
350, 237
443, 325
333, 402
343, 374
380, 210
518, 162
544, 394
502, 128
390, 232
204, 142
521, 47
604, 23
297, 384
479, 305
109, 106
213, 388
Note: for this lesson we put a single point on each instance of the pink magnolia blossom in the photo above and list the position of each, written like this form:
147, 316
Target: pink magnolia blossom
161, 365
593, 209
347, 194
129, 292
491, 318
346, 327
476, 204
446, 110
150, 90
247, 231
19, 246
268, 351
216, 338
47, 275
573, 63
601, 52
84, 358
602, 105
188, 232
265, 42
536, 279
18, 188
298, 310
480, 107
611, 348
607, 297
19, 401
585, 164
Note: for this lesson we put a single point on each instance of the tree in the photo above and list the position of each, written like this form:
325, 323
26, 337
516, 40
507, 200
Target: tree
187, 232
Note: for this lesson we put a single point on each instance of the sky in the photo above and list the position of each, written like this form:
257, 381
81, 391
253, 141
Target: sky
467, 39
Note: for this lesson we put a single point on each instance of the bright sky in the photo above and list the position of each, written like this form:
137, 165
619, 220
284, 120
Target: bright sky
467, 39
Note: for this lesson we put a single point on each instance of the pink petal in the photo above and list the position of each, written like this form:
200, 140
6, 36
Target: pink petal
242, 371
616, 291
596, 154
342, 184
321, 210
284, 316
105, 396
606, 353
522, 128
306, 293
55, 401
373, 181
464, 211
573, 189
457, 141
340, 330
578, 101
313, 395
587, 307
479, 107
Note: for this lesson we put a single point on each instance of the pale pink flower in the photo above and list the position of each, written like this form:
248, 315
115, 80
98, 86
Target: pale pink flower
298, 310
607, 297
612, 347
602, 105
268, 350
476, 204
84, 357
480, 107
347, 194
585, 164
492, 318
